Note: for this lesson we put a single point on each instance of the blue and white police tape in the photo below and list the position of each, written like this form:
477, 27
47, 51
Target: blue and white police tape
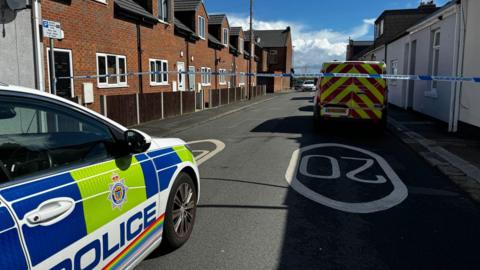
303, 75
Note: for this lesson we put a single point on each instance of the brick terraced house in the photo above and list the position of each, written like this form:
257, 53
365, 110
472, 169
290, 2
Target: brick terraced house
279, 52
112, 37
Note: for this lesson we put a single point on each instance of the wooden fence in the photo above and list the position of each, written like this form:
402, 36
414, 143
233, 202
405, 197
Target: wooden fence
133, 109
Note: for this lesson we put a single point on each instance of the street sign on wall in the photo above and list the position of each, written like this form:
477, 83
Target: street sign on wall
52, 29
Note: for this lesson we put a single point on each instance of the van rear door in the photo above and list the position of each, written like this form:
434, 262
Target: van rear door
336, 92
368, 95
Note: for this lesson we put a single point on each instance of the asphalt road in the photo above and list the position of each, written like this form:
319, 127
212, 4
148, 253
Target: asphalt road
354, 199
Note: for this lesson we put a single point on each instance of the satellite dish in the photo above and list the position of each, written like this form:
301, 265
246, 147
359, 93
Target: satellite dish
17, 4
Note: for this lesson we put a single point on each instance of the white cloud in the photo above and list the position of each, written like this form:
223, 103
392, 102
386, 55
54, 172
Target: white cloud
311, 47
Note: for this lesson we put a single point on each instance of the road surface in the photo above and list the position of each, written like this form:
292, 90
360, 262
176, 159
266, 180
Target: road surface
283, 196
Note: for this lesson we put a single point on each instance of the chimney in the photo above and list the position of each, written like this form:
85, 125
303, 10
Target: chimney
427, 4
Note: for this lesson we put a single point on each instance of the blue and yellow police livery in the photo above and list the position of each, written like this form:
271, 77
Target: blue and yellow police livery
79, 191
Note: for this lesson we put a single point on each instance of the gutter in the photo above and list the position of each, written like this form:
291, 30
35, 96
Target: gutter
456, 60
38, 46
463, 27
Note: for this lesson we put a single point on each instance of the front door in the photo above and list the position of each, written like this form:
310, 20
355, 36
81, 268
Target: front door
63, 68
191, 78
181, 76
76, 205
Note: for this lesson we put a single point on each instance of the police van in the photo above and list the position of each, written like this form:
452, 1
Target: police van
79, 191
352, 97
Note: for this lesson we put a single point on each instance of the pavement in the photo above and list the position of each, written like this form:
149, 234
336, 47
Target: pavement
457, 155
171, 126
279, 195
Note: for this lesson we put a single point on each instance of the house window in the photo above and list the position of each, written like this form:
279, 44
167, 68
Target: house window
379, 28
221, 76
394, 70
240, 45
225, 36
206, 76
115, 66
273, 57
158, 72
201, 27
163, 10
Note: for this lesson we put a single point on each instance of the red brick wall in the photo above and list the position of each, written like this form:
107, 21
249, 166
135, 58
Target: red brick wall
98, 32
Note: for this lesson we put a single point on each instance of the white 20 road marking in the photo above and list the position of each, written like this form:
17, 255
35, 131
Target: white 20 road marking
398, 195
206, 155
352, 175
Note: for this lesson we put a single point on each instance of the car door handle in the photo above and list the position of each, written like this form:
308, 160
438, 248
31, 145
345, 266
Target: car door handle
51, 211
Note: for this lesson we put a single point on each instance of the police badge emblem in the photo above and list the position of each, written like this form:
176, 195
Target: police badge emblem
118, 192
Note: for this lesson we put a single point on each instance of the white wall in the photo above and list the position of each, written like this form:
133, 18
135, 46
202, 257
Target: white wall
435, 104
470, 94
16, 49
397, 88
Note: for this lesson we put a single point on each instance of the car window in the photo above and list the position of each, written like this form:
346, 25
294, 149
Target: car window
36, 137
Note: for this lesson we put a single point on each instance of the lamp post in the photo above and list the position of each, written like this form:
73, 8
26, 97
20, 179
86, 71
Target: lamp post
252, 53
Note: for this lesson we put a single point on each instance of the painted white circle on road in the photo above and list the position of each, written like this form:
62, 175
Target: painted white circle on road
204, 155
299, 164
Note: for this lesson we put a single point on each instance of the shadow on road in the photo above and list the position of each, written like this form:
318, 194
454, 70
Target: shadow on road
303, 98
306, 108
423, 232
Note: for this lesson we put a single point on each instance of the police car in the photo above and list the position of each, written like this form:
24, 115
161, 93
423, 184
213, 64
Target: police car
79, 191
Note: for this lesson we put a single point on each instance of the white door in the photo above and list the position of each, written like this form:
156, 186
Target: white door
191, 78
181, 76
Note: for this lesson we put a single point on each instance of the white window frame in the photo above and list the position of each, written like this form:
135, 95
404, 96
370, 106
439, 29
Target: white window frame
101, 1
163, 14
226, 36
117, 78
206, 76
435, 62
71, 68
221, 76
202, 27
241, 45
162, 80
382, 27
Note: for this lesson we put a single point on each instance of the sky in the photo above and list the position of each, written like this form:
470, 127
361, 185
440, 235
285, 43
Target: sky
320, 28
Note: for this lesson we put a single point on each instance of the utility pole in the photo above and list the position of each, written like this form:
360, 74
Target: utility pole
252, 53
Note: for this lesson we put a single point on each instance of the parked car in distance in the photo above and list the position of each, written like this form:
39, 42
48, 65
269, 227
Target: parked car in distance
298, 85
309, 85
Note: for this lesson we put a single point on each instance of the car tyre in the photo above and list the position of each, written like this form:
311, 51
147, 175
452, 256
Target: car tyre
180, 213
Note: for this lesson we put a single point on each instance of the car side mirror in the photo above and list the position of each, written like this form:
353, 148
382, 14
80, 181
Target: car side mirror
137, 141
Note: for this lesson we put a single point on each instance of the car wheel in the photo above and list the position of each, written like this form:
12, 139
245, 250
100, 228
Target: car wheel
180, 214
